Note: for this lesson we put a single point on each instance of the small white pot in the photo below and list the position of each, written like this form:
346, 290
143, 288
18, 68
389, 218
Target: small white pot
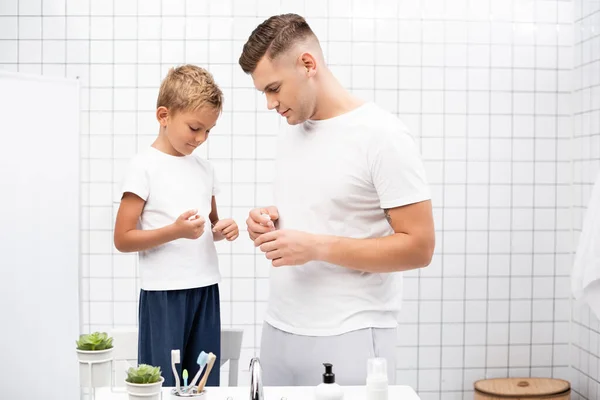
99, 364
144, 391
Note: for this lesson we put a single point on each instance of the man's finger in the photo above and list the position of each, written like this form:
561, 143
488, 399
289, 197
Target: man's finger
266, 237
257, 228
273, 255
268, 246
273, 213
279, 262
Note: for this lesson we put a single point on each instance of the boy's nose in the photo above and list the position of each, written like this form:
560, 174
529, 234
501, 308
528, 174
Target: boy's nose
201, 137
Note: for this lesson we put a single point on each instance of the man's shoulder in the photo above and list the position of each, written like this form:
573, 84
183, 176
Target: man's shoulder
380, 123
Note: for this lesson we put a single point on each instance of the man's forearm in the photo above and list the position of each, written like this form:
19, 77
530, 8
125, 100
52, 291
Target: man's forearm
398, 252
139, 240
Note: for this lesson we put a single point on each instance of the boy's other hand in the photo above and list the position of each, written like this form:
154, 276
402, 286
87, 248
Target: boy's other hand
261, 220
228, 228
189, 225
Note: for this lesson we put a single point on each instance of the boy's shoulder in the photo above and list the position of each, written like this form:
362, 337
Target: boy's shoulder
142, 159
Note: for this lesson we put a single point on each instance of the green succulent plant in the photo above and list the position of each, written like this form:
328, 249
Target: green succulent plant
144, 373
94, 341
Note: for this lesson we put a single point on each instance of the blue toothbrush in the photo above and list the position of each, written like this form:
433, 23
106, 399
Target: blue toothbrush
202, 360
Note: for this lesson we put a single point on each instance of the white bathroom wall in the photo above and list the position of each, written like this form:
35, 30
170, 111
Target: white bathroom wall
585, 333
483, 84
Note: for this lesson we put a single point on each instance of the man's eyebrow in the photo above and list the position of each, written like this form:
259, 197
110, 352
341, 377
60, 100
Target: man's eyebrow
269, 85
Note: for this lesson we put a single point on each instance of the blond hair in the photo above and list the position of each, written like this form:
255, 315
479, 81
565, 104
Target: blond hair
188, 88
273, 37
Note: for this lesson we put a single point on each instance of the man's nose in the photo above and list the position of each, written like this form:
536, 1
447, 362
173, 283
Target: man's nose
272, 102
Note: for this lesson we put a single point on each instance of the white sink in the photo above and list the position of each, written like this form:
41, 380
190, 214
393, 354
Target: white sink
270, 392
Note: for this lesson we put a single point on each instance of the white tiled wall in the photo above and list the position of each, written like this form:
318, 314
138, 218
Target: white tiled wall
585, 333
484, 85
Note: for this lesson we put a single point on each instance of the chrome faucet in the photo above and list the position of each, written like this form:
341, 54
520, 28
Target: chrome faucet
256, 385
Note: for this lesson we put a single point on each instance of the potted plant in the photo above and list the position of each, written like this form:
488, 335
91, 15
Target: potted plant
94, 351
144, 382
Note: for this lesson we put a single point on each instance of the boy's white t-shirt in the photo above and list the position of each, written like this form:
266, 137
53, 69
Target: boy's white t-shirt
170, 186
335, 177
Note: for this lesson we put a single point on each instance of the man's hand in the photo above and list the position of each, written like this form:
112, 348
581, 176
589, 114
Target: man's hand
227, 228
261, 220
189, 225
287, 247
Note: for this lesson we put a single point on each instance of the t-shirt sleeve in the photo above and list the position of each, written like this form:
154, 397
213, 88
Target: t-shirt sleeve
397, 169
136, 180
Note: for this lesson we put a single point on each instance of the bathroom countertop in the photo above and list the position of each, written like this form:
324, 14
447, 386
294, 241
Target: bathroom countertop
270, 392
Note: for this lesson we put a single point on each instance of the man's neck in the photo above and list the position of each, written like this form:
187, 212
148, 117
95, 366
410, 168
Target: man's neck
334, 100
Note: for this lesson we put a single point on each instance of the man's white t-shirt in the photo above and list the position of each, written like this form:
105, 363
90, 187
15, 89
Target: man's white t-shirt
170, 186
335, 177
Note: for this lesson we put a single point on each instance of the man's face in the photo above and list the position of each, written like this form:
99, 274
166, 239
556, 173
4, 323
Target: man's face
287, 87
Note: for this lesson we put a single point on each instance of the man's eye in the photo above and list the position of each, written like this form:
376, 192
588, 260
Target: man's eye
195, 129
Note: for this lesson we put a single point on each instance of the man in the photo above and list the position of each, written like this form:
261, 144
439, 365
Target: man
352, 209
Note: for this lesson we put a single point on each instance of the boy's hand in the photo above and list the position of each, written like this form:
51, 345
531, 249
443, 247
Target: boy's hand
227, 228
189, 225
261, 220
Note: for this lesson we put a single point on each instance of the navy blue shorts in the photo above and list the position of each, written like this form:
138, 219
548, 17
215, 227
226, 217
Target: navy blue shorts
188, 320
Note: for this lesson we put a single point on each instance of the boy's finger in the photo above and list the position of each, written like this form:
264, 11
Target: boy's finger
188, 214
198, 221
229, 229
220, 225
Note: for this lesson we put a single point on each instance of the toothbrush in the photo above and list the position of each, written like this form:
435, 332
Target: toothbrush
201, 361
175, 359
211, 361
185, 378
267, 218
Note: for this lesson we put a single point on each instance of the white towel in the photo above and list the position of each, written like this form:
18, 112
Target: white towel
585, 277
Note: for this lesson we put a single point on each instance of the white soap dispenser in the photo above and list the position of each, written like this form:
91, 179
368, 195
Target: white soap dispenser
329, 390
377, 379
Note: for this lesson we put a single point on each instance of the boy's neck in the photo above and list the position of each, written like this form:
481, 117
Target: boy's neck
162, 144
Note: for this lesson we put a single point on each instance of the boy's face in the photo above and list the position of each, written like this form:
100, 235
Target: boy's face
287, 87
186, 130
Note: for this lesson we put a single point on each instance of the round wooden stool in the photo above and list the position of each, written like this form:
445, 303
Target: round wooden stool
522, 388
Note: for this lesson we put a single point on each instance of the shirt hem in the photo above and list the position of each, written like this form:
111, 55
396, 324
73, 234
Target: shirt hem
178, 284
275, 323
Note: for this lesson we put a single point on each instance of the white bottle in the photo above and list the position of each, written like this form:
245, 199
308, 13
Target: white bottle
377, 379
329, 390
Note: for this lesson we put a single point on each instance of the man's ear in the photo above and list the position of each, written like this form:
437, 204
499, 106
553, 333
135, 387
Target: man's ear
308, 63
162, 115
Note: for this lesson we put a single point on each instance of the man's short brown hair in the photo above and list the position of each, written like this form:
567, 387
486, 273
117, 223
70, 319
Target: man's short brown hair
273, 37
188, 88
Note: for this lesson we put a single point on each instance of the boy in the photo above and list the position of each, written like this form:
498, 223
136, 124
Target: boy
170, 193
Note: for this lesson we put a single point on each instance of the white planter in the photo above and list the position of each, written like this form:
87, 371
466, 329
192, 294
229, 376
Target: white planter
98, 364
148, 391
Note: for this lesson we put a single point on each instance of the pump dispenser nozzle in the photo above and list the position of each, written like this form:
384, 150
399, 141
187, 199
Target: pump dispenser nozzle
329, 390
328, 376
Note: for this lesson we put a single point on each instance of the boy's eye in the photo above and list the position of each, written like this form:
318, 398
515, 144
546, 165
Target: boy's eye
195, 129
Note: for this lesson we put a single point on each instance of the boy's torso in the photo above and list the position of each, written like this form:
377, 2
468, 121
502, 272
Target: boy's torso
177, 185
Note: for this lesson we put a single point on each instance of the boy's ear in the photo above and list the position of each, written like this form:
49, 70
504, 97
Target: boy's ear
162, 115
